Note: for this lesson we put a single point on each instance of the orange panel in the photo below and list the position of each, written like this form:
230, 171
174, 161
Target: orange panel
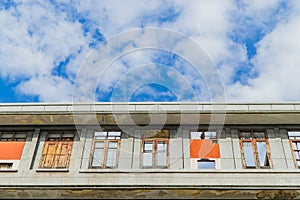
11, 150
204, 149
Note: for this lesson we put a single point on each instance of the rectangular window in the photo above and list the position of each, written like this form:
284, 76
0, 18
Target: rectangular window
155, 149
204, 144
206, 164
255, 149
57, 149
12, 144
294, 137
105, 149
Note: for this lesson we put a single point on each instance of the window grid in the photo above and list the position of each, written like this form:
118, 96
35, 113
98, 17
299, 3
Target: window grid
155, 153
57, 149
107, 143
13, 136
203, 134
294, 139
255, 138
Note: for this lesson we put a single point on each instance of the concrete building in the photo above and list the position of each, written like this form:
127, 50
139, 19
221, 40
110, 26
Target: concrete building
150, 150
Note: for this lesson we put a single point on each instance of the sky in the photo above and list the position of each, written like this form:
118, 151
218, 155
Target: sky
160, 50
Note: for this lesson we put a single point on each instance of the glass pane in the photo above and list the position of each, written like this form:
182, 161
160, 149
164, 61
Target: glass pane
147, 159
295, 146
210, 135
162, 147
114, 135
297, 155
99, 145
148, 146
298, 145
248, 154
262, 154
100, 135
97, 158
195, 135
162, 159
206, 164
111, 157
113, 145
293, 133
259, 135
298, 163
245, 135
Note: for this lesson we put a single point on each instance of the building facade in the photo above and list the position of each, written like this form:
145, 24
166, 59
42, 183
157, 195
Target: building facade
150, 150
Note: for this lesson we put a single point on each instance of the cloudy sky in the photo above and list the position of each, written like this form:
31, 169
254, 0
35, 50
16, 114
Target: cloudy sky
160, 50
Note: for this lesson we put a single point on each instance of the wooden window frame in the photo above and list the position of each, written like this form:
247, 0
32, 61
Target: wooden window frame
291, 141
202, 137
154, 153
59, 143
13, 138
254, 142
105, 148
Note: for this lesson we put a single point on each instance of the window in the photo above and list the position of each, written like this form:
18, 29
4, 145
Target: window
11, 148
155, 149
204, 145
206, 164
294, 137
105, 149
255, 149
6, 165
57, 149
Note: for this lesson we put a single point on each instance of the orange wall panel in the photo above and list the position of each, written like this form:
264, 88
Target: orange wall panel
204, 149
11, 150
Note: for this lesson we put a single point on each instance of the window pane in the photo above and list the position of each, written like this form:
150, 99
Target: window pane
295, 146
262, 154
297, 155
148, 146
162, 159
206, 164
259, 135
245, 135
298, 145
114, 135
210, 135
195, 135
298, 163
248, 154
99, 145
162, 147
294, 134
97, 158
147, 159
113, 145
111, 157
100, 135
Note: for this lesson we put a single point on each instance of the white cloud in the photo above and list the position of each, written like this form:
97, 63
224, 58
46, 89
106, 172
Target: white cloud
47, 88
277, 63
36, 36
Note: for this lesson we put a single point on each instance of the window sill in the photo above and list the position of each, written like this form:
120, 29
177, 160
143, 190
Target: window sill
8, 170
52, 170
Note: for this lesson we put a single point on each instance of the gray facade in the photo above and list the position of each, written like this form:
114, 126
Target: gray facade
180, 179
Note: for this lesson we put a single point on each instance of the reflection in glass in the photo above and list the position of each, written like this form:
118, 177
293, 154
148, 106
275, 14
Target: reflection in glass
147, 159
161, 154
111, 157
206, 164
248, 154
97, 158
262, 154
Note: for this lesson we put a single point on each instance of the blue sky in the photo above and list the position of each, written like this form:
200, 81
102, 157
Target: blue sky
44, 46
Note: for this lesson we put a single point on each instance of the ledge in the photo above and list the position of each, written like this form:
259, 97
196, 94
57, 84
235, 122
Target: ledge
8, 170
52, 170
243, 171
